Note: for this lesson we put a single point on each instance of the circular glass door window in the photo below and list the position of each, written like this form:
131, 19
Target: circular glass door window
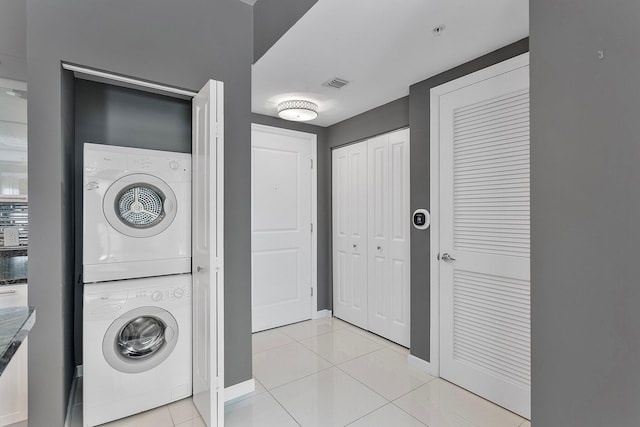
140, 339
139, 205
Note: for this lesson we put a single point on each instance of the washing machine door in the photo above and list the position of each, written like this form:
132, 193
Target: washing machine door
140, 339
140, 205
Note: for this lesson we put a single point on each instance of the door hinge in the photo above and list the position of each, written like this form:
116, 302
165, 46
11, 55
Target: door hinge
311, 291
311, 227
311, 163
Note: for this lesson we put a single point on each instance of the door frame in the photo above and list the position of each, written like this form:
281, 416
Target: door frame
522, 60
312, 138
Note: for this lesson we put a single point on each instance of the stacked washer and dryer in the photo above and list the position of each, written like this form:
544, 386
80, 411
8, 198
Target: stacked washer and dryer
137, 283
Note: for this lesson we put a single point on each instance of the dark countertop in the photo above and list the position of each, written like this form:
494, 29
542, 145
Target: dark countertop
13, 266
15, 324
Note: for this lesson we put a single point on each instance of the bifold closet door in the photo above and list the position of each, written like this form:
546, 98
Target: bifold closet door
349, 198
207, 241
388, 236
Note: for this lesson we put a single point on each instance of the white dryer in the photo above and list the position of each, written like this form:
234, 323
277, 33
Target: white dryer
136, 346
136, 213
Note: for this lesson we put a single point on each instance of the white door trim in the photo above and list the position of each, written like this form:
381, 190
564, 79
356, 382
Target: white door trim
434, 187
113, 78
313, 140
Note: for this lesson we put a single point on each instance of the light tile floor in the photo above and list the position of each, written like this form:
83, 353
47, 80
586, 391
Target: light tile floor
328, 373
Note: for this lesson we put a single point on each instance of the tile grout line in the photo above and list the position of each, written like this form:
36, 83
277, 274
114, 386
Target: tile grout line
366, 386
404, 394
412, 416
348, 360
283, 407
273, 348
297, 379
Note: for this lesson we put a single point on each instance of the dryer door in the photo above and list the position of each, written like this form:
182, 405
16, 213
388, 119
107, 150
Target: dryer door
140, 205
140, 339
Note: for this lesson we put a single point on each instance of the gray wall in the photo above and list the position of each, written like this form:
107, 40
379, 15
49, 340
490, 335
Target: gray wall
113, 115
585, 147
13, 39
273, 18
208, 40
323, 227
391, 116
419, 101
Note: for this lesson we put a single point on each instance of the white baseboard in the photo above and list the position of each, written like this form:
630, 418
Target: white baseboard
239, 390
421, 364
321, 314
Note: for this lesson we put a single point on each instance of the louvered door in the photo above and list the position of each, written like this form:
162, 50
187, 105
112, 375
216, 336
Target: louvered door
485, 228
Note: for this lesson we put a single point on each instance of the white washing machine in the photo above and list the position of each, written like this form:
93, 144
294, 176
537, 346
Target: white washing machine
136, 213
136, 346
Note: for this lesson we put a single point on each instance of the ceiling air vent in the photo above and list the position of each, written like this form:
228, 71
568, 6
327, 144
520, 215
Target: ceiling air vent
336, 83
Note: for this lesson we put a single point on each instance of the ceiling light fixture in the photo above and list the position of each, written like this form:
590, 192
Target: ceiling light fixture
298, 110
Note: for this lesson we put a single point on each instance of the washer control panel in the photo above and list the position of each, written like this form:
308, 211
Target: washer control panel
163, 295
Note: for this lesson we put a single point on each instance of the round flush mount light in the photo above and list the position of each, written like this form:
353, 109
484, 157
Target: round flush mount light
298, 110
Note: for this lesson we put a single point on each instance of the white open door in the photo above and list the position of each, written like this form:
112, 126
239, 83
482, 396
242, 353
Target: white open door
484, 225
208, 260
281, 226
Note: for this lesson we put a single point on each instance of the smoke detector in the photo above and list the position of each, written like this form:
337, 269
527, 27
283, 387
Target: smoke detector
336, 83
439, 30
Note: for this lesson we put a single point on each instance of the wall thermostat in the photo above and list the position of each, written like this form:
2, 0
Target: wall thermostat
421, 219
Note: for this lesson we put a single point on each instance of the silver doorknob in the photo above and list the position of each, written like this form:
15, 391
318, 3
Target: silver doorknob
379, 247
199, 269
355, 246
446, 257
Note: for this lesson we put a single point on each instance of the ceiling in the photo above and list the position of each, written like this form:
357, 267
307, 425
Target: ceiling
381, 48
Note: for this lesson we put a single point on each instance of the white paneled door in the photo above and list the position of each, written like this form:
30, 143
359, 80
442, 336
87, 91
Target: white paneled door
388, 236
371, 247
207, 253
281, 226
485, 236
349, 198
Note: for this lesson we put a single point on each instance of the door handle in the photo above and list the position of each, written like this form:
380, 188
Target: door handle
446, 257
199, 269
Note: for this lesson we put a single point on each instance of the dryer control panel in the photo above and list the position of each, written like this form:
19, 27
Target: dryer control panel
104, 159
